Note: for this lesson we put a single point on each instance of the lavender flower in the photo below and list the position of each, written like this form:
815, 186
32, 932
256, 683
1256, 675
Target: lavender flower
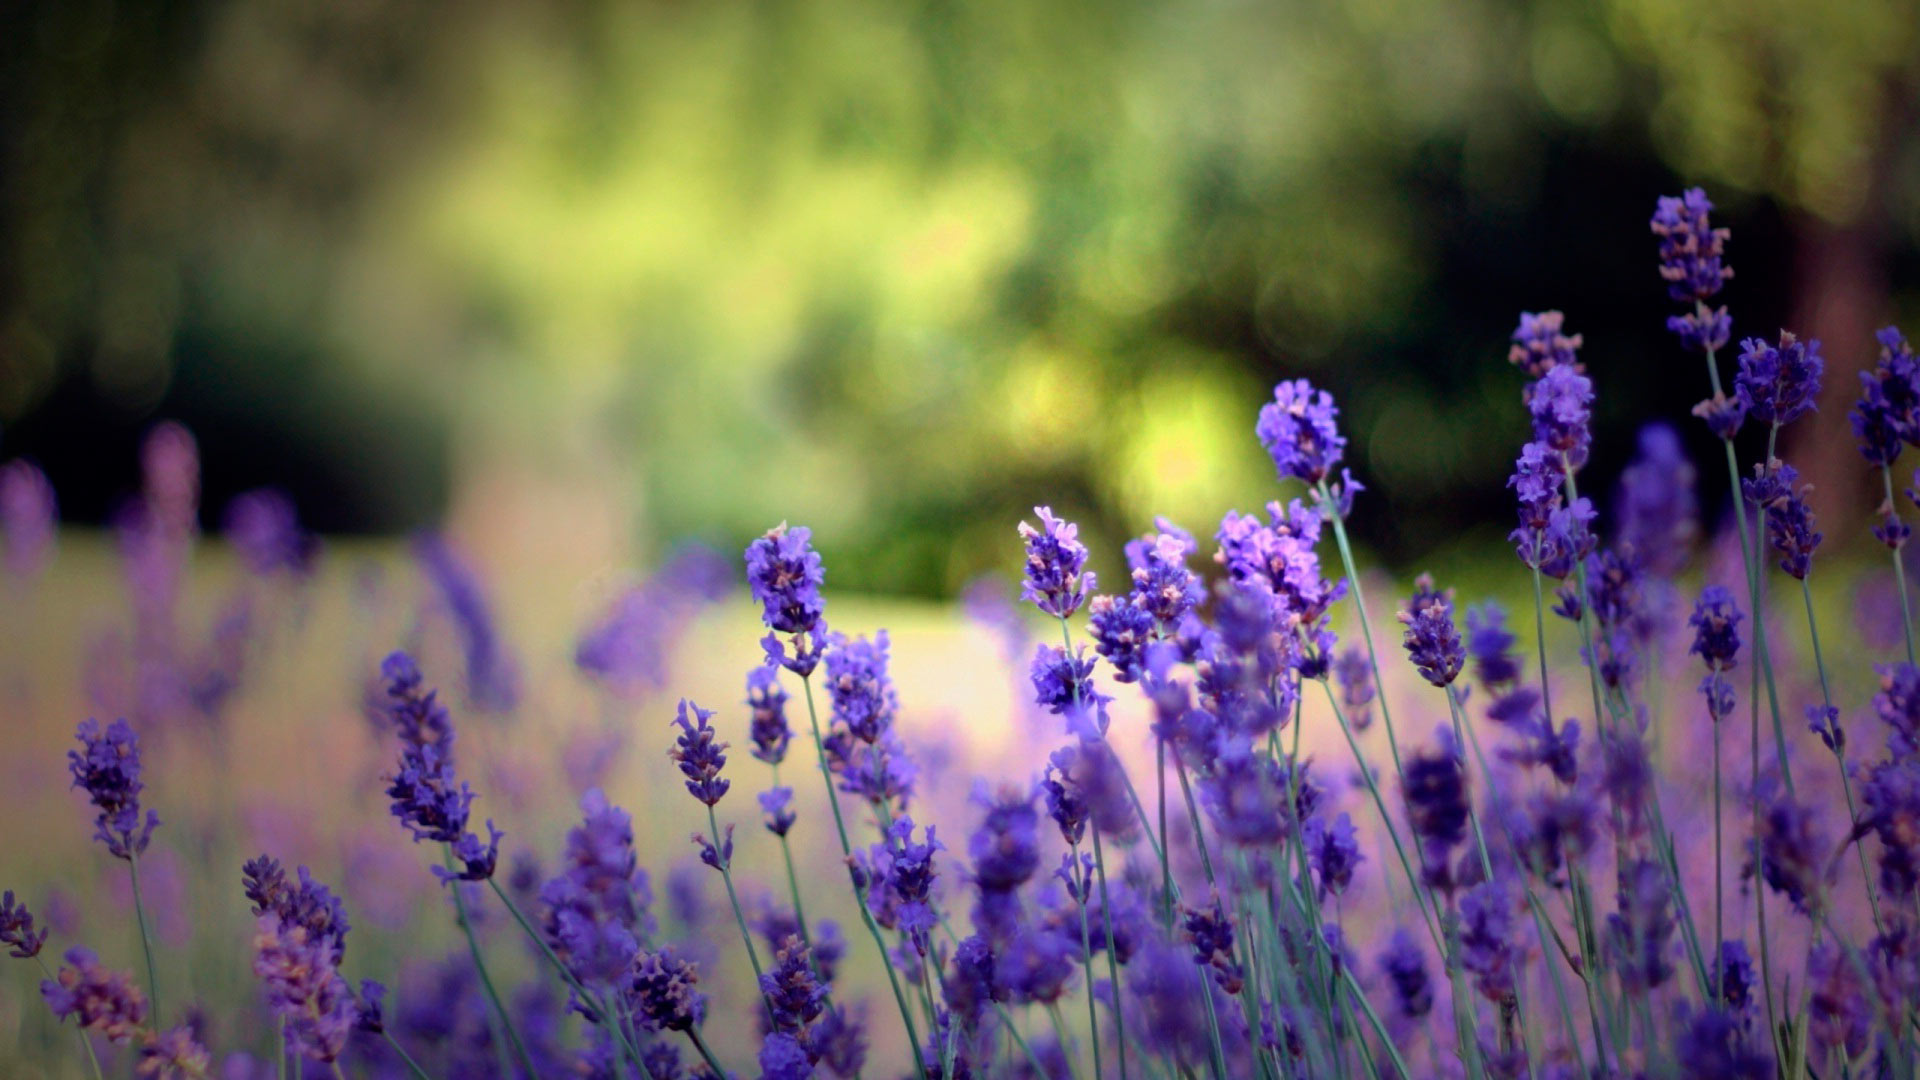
795, 997
1716, 624
29, 517
1432, 641
1789, 519
1778, 385
305, 990
1655, 504
1840, 1016
1898, 706
1036, 965
903, 872
265, 529
1734, 976
785, 575
1792, 853
1121, 628
412, 708
1888, 413
1210, 933
1561, 404
840, 1040
429, 800
1354, 674
660, 992
107, 767
1490, 948
1639, 935
1552, 535
864, 702
1540, 344
1063, 685
1691, 249
594, 911
1005, 851
1435, 786
1162, 584
1405, 966
493, 673
101, 1001
783, 1058
16, 929
174, 1054
774, 805
699, 754
1300, 429
1891, 810
1716, 1043
1276, 560
1724, 415
1333, 849
769, 729
1055, 581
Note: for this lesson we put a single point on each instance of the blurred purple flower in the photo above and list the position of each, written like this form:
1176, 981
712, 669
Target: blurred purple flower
493, 673
29, 518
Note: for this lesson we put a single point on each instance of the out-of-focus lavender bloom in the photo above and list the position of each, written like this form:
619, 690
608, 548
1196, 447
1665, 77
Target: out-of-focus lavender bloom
596, 909
840, 1040
1724, 415
879, 772
1779, 384
1561, 404
493, 673
864, 702
782, 1058
1056, 581
1774, 489
1121, 627
101, 1001
774, 806
414, 709
903, 874
174, 1054
1210, 933
370, 1015
107, 767
1792, 853
298, 947
1639, 934
1063, 686
1491, 949
699, 753
1431, 640
986, 602
1405, 966
305, 903
719, 856
1891, 810
1898, 706
1162, 583
29, 518
661, 992
1037, 965
1840, 1014
265, 529
1541, 344
1300, 428
1491, 645
1333, 848
1354, 673
1005, 852
1734, 976
1276, 560
1691, 249
23, 942
627, 647
1717, 1043
1435, 786
768, 728
1164, 986
1655, 504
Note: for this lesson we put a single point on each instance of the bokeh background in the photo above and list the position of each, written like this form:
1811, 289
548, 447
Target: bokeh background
575, 284
902, 270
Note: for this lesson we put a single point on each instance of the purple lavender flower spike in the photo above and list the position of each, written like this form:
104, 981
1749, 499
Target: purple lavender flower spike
29, 518
864, 702
1432, 641
661, 992
1716, 624
1774, 489
1354, 674
265, 529
1639, 934
415, 711
774, 804
1779, 384
1301, 431
796, 997
107, 767
1718, 1043
1057, 581
1561, 404
1005, 852
626, 647
1405, 967
1792, 854
23, 942
1162, 583
1541, 344
1063, 685
1490, 943
699, 753
1210, 933
721, 857
1333, 848
1887, 415
1891, 810
1691, 249
1122, 628
903, 875
769, 728
1840, 1010
1658, 514
493, 672
298, 945
785, 575
1435, 784
101, 1001
174, 1054
1065, 803
783, 1058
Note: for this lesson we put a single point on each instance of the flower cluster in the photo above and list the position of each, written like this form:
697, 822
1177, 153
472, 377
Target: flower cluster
107, 768
427, 797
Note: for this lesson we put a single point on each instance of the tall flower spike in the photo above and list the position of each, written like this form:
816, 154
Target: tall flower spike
427, 797
1056, 579
1716, 628
1541, 344
769, 728
101, 1001
16, 929
1432, 641
1301, 431
785, 575
1888, 413
864, 702
661, 992
174, 1054
1774, 488
1561, 404
1435, 784
1778, 385
699, 753
107, 767
1691, 249
1162, 584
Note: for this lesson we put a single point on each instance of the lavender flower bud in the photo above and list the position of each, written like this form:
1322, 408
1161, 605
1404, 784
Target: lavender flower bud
1405, 967
774, 805
16, 929
174, 1054
1561, 404
1300, 429
1691, 249
1431, 640
660, 992
107, 767
769, 728
1540, 345
699, 753
1789, 519
1055, 581
1716, 623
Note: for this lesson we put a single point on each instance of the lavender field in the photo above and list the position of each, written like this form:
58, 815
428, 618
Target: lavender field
475, 805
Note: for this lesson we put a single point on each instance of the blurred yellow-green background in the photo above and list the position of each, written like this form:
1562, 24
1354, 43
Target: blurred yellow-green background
901, 270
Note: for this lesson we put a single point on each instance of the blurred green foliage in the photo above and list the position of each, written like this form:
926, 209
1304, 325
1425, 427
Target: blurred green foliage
898, 270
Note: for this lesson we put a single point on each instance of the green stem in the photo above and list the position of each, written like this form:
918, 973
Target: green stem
859, 892
1086, 963
1166, 869
480, 966
1839, 757
700, 1044
1330, 507
733, 898
146, 938
1113, 965
1359, 994
412, 1065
